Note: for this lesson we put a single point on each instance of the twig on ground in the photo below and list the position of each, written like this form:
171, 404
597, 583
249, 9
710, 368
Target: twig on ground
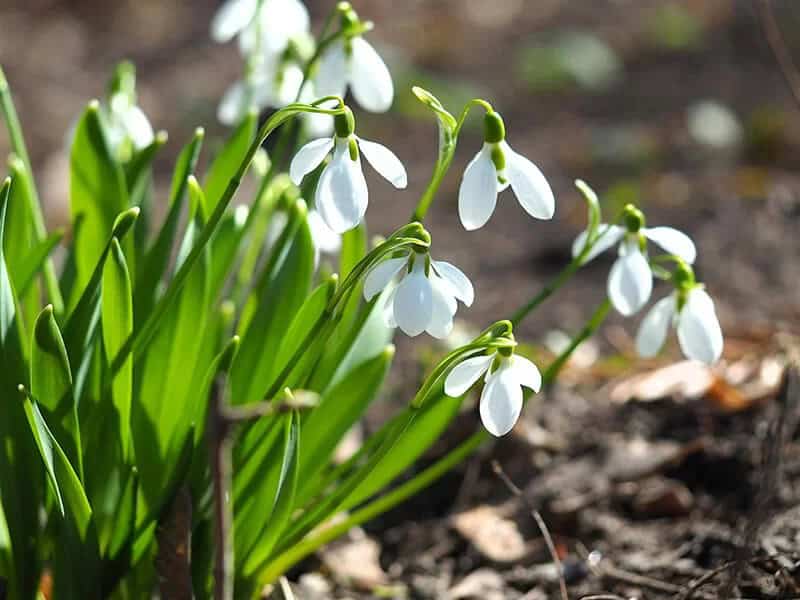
613, 573
539, 522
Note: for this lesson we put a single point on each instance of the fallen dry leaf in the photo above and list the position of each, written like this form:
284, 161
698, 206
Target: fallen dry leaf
494, 536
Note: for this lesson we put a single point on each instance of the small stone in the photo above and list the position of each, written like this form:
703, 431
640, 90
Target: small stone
494, 536
662, 497
483, 584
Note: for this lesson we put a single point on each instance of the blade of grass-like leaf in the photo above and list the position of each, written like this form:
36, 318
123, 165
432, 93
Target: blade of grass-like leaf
139, 182
283, 500
282, 288
339, 409
97, 192
310, 313
18, 144
229, 158
51, 383
20, 470
117, 323
20, 238
35, 260
154, 266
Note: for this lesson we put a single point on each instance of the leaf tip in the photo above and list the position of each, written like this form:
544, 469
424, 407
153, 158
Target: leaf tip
162, 137
94, 105
199, 133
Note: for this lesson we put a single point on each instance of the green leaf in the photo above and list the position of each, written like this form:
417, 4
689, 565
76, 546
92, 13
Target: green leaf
51, 383
117, 320
229, 158
20, 470
156, 261
20, 236
283, 499
339, 409
281, 289
164, 417
35, 260
225, 248
312, 311
97, 193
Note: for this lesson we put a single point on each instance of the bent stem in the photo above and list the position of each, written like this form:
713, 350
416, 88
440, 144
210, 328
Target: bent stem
413, 486
40, 231
450, 138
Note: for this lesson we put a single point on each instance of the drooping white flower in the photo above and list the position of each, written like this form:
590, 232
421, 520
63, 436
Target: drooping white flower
341, 196
271, 84
425, 298
694, 319
630, 281
501, 398
276, 23
352, 62
128, 123
495, 168
273, 27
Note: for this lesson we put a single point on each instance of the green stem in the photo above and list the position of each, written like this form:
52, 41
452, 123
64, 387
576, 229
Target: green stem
40, 230
296, 553
547, 291
443, 164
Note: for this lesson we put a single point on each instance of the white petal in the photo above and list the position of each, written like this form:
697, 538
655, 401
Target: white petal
477, 196
289, 85
501, 402
331, 78
413, 304
385, 162
341, 196
630, 282
654, 327
465, 374
444, 307
231, 18
308, 158
388, 310
529, 185
370, 79
233, 105
138, 127
325, 240
460, 283
608, 235
699, 333
526, 373
673, 241
380, 276
281, 20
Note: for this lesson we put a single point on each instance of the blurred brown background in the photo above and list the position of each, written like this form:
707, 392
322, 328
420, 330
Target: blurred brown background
676, 105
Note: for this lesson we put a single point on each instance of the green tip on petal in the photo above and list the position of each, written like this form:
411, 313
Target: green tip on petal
494, 130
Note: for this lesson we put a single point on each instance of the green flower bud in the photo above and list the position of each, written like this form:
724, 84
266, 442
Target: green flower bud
633, 218
494, 130
123, 81
353, 148
498, 159
348, 17
345, 123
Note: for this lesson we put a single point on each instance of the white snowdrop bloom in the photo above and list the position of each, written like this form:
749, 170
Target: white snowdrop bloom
316, 125
341, 196
630, 281
425, 298
274, 84
501, 398
352, 62
695, 321
273, 28
495, 168
232, 18
127, 123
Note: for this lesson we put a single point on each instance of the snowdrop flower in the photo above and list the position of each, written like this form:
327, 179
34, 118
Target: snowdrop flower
341, 195
352, 62
501, 398
425, 299
690, 310
495, 168
630, 281
276, 23
127, 127
274, 27
269, 84
325, 240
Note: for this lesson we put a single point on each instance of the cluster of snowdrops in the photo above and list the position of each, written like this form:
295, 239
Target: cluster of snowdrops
241, 295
